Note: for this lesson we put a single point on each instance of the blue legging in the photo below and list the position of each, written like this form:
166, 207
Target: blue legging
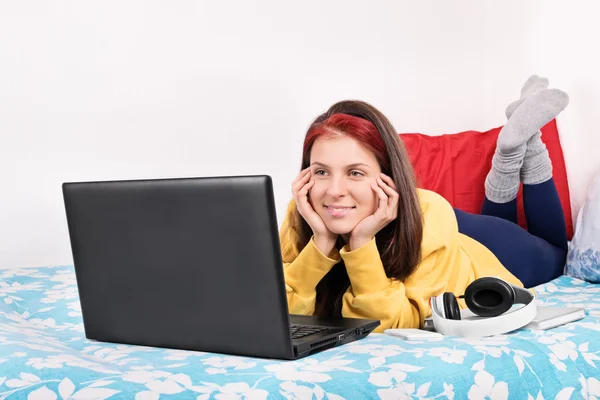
536, 255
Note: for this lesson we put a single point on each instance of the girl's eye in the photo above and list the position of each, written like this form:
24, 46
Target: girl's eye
356, 173
319, 172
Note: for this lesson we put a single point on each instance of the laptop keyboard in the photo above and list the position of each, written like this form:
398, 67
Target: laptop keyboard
299, 331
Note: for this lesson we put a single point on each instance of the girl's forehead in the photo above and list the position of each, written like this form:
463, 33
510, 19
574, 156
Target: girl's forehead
341, 150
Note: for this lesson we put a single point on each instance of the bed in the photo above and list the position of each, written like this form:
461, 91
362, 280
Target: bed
44, 355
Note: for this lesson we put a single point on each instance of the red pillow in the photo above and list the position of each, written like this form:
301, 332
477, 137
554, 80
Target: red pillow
455, 166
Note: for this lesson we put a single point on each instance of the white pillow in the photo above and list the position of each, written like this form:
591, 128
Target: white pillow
583, 259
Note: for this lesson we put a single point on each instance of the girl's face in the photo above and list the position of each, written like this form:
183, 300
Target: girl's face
343, 170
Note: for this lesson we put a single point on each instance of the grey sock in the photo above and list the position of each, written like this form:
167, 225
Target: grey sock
536, 111
537, 166
531, 85
503, 181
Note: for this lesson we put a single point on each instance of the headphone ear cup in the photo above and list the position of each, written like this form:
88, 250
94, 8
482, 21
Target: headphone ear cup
451, 308
489, 297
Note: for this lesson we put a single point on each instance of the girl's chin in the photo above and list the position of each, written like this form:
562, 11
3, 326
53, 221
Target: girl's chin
340, 228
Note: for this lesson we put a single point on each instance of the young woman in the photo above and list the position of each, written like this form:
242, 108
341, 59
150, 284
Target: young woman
361, 240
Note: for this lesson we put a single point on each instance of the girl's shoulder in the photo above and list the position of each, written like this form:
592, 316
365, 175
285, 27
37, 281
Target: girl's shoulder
433, 203
440, 228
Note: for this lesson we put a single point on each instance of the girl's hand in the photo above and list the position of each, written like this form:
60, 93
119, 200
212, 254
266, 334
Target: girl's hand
323, 237
386, 212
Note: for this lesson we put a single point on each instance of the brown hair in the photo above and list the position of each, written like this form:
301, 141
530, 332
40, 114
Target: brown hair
399, 243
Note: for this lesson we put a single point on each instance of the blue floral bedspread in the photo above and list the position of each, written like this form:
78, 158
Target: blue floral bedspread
45, 355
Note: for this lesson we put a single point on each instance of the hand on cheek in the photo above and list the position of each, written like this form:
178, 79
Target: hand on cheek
386, 211
324, 239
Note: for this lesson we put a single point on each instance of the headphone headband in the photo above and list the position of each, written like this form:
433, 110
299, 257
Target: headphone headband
479, 324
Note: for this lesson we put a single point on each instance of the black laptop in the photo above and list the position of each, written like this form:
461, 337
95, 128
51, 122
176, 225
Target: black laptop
190, 263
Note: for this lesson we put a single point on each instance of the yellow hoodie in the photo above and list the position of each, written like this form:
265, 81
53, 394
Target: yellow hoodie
449, 262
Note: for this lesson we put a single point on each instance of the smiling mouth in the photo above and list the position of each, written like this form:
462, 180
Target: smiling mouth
339, 212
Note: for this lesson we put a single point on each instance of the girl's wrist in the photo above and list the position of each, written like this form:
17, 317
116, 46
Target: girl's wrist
325, 245
357, 243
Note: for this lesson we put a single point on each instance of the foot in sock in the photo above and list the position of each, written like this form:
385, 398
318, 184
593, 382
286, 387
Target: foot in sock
537, 110
537, 166
532, 84
508, 165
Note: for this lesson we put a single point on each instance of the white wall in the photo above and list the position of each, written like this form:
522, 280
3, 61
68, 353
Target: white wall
556, 39
150, 89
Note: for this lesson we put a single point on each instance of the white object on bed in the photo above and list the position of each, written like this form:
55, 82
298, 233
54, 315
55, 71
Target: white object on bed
413, 334
551, 317
471, 325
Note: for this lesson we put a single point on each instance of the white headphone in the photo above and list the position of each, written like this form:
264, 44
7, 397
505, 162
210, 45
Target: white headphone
490, 301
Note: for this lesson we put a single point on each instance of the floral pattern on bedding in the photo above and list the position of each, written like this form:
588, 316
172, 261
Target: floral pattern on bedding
44, 355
